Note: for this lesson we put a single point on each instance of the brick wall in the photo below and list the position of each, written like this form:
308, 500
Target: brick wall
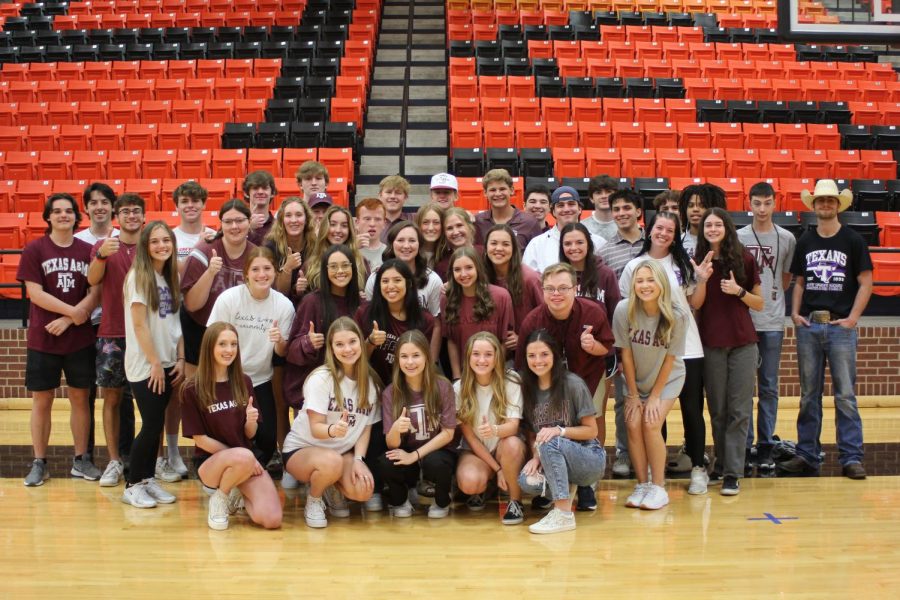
878, 363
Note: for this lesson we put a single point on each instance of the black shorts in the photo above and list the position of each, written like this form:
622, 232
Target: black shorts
43, 369
193, 335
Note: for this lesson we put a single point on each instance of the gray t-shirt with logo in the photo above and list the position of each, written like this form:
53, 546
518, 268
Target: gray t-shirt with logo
773, 252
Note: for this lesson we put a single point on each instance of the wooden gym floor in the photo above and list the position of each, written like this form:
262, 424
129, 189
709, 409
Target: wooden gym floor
826, 537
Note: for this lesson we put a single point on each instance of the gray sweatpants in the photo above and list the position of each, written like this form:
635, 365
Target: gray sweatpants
728, 376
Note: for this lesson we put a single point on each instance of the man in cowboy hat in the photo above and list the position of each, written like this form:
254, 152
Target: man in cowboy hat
834, 282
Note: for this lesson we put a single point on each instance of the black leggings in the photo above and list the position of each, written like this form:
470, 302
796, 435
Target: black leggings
377, 447
152, 407
267, 428
691, 400
437, 467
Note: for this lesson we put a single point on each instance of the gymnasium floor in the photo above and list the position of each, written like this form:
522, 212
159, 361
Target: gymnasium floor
817, 538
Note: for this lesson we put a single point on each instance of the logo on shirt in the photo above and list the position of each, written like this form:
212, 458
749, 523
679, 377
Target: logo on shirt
65, 268
645, 337
220, 406
829, 268
763, 255
165, 301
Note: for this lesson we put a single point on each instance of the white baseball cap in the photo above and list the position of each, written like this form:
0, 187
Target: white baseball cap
444, 181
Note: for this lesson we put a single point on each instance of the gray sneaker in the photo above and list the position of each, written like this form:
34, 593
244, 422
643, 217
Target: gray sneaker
84, 468
336, 503
38, 474
622, 466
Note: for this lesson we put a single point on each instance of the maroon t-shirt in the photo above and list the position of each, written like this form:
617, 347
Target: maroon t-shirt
608, 293
522, 223
231, 274
382, 358
724, 320
223, 420
416, 411
567, 332
500, 322
256, 236
532, 294
112, 322
301, 357
62, 273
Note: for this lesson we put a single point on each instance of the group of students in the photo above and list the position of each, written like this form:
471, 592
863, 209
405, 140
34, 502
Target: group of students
433, 347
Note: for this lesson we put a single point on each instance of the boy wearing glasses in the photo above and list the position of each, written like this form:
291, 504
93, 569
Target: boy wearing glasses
112, 259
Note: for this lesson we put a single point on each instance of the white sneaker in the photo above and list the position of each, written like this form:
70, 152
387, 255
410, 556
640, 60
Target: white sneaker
288, 482
556, 521
622, 466
315, 513
113, 474
165, 472
178, 465
138, 497
404, 511
218, 511
637, 496
336, 503
157, 492
655, 498
235, 500
436, 512
375, 503
699, 481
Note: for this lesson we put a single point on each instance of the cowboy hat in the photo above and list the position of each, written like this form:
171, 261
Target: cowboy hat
826, 188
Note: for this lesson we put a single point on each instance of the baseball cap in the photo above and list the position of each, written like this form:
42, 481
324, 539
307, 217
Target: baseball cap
320, 198
564, 193
444, 181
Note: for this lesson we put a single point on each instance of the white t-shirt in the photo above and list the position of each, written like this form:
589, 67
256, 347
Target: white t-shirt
187, 241
692, 346
318, 394
543, 250
252, 318
484, 396
164, 325
429, 296
88, 236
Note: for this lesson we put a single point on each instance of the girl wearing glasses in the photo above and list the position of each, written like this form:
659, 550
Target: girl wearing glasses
472, 305
663, 245
650, 329
336, 228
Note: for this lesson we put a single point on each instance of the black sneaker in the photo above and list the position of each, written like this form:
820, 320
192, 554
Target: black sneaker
515, 513
730, 486
541, 503
749, 459
764, 458
587, 500
715, 478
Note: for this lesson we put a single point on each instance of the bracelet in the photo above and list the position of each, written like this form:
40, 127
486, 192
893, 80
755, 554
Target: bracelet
742, 293
496, 431
100, 258
497, 470
329, 431
562, 431
359, 458
418, 456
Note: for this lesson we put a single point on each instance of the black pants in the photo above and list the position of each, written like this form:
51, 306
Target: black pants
691, 400
437, 467
153, 420
267, 427
377, 447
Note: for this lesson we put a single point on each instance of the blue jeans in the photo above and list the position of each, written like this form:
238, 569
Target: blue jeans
769, 347
816, 344
567, 462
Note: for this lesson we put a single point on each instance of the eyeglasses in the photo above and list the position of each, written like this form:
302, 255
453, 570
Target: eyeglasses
334, 268
563, 289
230, 222
127, 212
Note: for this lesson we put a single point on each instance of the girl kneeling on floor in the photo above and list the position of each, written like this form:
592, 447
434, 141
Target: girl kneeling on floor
329, 438
219, 413
650, 329
419, 419
489, 407
563, 432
